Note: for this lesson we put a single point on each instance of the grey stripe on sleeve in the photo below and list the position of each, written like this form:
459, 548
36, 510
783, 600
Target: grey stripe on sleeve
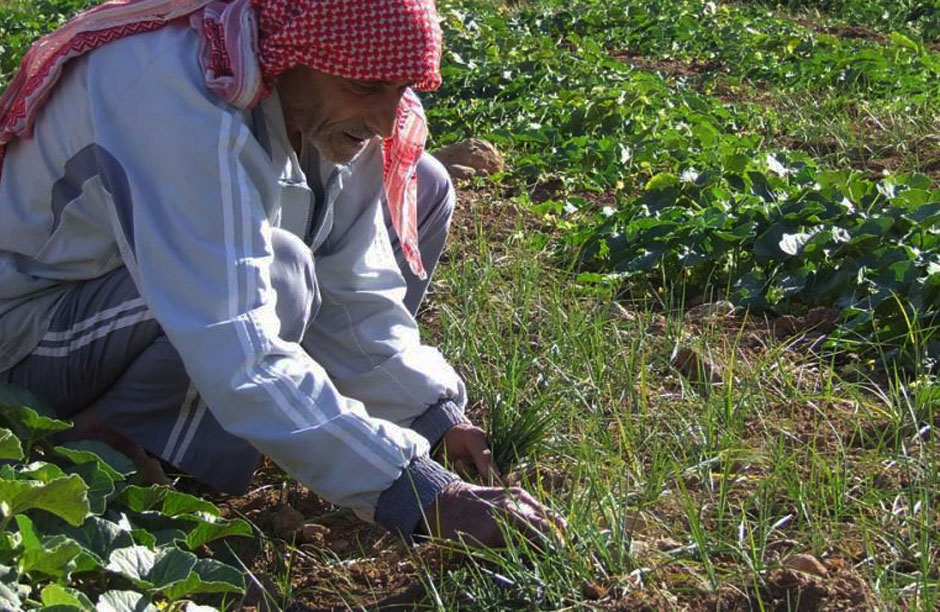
94, 160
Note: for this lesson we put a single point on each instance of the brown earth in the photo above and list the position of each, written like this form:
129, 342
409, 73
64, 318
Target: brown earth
669, 67
329, 560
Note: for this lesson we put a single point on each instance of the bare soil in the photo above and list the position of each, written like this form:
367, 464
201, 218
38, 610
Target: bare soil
669, 67
308, 555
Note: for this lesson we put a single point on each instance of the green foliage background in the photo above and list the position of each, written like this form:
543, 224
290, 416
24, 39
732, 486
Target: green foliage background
694, 193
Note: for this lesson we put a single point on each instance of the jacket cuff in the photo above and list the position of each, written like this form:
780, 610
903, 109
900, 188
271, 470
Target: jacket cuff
402, 505
437, 419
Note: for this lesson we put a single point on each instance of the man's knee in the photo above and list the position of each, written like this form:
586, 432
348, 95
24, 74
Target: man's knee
436, 194
294, 281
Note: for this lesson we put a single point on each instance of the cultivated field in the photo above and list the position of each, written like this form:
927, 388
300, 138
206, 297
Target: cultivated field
697, 312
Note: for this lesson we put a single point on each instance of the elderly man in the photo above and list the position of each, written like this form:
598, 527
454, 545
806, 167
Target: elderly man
216, 224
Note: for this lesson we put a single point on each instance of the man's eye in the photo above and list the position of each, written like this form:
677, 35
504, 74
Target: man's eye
364, 87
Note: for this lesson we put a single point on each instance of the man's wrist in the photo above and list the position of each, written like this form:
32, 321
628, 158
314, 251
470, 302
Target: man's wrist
401, 507
437, 420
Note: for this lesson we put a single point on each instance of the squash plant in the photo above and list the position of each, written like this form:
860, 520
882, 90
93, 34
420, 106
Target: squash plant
77, 535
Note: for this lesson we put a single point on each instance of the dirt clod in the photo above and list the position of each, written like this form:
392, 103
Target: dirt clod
666, 544
461, 173
287, 522
619, 313
818, 320
592, 591
806, 563
696, 368
313, 533
477, 154
711, 310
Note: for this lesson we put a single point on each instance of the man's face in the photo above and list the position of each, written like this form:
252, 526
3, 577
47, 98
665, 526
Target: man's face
338, 115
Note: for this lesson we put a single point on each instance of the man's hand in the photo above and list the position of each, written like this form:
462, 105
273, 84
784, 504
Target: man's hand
475, 513
464, 446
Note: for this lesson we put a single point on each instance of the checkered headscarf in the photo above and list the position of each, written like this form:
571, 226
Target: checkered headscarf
246, 44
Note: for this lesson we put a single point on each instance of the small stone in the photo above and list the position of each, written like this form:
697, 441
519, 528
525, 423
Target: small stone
696, 369
461, 173
287, 522
474, 153
785, 326
620, 313
635, 524
313, 533
591, 591
712, 310
806, 563
657, 324
666, 544
821, 320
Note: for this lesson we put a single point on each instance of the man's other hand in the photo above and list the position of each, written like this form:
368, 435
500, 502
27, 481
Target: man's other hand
474, 514
464, 446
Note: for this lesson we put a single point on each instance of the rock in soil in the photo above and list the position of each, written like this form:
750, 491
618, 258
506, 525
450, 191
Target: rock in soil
618, 312
313, 533
806, 563
712, 310
820, 321
474, 153
287, 522
666, 544
592, 592
461, 173
695, 368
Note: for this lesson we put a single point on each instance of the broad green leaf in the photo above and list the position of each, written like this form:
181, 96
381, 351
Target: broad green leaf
208, 576
214, 572
55, 557
207, 532
166, 501
28, 536
116, 464
10, 447
41, 471
663, 180
792, 244
61, 608
55, 594
177, 503
100, 485
145, 538
706, 133
171, 565
135, 562
98, 537
168, 537
900, 40
142, 499
124, 601
29, 424
736, 162
64, 497
12, 395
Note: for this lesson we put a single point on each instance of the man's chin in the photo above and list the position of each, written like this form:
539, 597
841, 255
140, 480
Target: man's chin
340, 155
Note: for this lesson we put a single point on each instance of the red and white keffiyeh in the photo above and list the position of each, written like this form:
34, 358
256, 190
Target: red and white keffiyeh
246, 44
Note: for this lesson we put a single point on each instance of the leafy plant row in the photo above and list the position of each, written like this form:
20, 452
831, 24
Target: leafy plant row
77, 535
918, 15
23, 21
655, 181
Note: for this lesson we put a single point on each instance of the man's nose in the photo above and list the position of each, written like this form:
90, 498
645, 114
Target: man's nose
384, 113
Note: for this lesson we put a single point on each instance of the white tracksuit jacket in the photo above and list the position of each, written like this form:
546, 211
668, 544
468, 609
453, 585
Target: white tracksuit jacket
164, 178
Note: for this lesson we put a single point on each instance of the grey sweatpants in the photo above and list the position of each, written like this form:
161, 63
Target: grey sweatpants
104, 349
